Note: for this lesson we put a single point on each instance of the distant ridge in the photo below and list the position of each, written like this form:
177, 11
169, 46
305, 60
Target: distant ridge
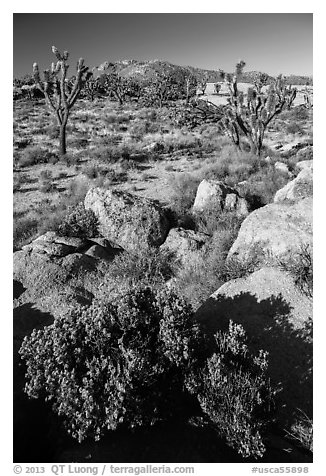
144, 70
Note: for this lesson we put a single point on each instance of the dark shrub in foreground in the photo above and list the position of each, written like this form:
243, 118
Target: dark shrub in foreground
115, 363
139, 358
234, 392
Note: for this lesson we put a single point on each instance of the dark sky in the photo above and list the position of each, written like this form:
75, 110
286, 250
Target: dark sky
270, 42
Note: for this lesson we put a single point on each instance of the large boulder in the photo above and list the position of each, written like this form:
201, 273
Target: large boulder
275, 231
182, 243
128, 220
42, 275
276, 316
219, 196
300, 187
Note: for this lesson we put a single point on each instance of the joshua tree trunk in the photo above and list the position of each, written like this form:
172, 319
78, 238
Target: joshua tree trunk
62, 139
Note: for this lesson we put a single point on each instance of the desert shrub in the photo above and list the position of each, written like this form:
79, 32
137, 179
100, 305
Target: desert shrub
209, 268
150, 266
199, 277
148, 114
19, 180
300, 266
295, 114
234, 392
183, 192
212, 219
301, 431
139, 129
45, 174
24, 229
94, 171
79, 222
47, 186
78, 142
51, 216
116, 118
52, 131
114, 176
262, 185
22, 142
293, 128
234, 268
112, 153
33, 155
70, 159
77, 190
46, 182
185, 141
231, 166
117, 363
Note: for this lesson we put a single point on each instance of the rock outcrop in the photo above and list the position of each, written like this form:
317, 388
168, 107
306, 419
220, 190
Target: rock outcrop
214, 194
48, 270
128, 220
275, 231
276, 316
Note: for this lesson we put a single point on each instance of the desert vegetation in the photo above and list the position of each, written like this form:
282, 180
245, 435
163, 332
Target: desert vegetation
125, 233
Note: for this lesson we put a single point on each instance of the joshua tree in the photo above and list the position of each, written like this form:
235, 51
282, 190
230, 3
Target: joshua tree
249, 116
202, 84
190, 87
60, 94
217, 88
307, 96
91, 86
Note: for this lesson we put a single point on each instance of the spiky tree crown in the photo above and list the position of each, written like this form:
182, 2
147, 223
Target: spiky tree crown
251, 115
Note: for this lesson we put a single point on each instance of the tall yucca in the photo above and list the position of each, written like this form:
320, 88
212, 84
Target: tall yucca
249, 118
61, 96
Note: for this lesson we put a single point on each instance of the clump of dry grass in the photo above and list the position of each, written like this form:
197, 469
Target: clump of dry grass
183, 191
301, 431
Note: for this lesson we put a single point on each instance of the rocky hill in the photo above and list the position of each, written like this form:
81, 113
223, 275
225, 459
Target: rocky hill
141, 70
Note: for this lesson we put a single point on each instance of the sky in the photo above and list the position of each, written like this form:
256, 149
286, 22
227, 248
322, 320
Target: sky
270, 42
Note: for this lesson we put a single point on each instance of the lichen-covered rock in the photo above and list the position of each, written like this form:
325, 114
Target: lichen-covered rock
128, 220
219, 196
277, 317
275, 231
300, 187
